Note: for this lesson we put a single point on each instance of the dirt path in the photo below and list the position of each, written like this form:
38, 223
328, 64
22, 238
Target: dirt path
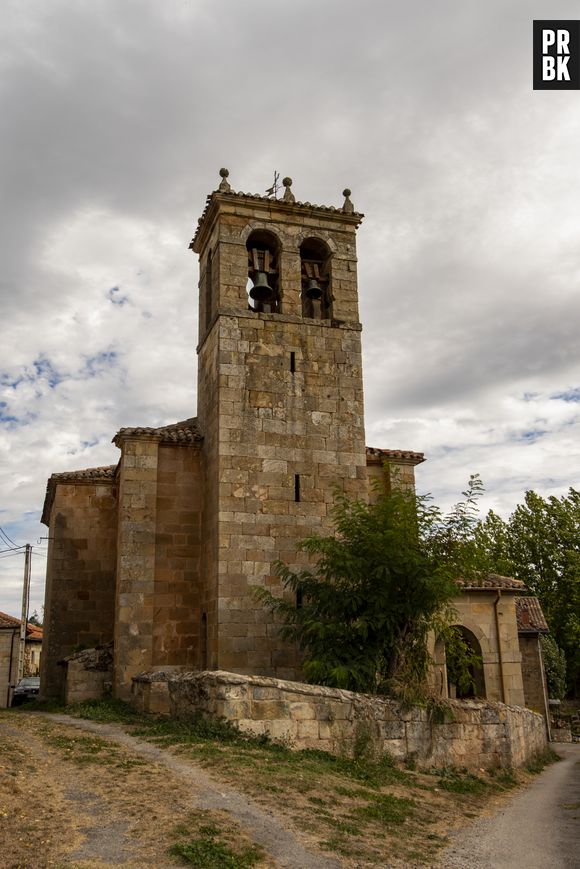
538, 829
109, 799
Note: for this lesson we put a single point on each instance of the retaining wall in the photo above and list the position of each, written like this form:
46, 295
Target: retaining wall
479, 735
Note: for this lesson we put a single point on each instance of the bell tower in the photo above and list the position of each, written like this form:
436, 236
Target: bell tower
280, 403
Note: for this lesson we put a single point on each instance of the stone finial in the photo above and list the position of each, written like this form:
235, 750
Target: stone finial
288, 195
224, 184
348, 207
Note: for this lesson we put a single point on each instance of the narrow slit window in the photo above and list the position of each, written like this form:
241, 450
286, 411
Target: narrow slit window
203, 643
296, 487
299, 599
292, 361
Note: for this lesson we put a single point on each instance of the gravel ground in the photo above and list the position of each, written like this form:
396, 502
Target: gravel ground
538, 829
264, 827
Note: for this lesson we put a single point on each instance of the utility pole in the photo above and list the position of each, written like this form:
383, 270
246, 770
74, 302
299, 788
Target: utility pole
25, 603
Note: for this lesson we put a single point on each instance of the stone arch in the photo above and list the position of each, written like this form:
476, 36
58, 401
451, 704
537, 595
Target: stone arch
263, 248
320, 234
285, 241
463, 621
316, 278
478, 686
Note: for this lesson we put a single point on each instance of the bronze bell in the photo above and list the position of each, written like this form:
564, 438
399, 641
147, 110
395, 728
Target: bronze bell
261, 291
313, 290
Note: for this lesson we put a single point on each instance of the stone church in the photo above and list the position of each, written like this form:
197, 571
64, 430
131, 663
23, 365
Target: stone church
159, 552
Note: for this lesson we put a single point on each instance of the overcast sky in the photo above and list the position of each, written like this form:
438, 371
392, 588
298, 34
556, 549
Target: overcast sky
116, 117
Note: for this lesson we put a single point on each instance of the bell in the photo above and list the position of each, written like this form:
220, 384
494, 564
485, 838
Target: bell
313, 290
261, 291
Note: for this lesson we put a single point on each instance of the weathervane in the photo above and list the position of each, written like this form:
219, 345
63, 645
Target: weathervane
273, 190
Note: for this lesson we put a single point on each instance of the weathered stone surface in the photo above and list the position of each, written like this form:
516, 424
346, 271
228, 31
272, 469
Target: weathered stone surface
167, 549
84, 684
478, 734
80, 578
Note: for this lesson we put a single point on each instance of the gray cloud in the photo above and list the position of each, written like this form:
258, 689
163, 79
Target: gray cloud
117, 116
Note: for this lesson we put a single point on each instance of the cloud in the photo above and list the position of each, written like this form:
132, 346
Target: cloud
116, 119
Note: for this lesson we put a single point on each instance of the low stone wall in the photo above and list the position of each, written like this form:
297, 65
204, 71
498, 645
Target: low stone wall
87, 674
82, 684
150, 693
480, 735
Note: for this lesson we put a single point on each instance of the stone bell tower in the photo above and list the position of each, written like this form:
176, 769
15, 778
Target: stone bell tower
280, 404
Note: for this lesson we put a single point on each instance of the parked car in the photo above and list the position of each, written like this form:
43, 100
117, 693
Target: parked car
26, 688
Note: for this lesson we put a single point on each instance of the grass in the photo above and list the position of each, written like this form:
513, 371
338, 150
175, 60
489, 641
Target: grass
541, 760
388, 809
113, 711
83, 750
207, 852
211, 847
364, 808
461, 781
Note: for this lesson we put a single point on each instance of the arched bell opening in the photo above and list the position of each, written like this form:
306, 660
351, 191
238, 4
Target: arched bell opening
315, 272
263, 272
464, 664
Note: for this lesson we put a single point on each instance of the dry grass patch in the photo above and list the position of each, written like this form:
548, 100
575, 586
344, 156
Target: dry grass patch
366, 810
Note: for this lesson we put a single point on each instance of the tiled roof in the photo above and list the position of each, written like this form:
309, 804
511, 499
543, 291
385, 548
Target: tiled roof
530, 617
185, 432
329, 209
407, 456
104, 473
33, 632
493, 581
7, 621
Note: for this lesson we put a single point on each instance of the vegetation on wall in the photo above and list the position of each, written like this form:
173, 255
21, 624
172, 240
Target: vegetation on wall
461, 661
378, 586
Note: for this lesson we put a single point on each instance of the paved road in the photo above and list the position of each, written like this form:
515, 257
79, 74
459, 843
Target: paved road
538, 829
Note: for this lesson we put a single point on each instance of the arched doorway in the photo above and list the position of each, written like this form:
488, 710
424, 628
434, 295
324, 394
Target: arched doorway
465, 676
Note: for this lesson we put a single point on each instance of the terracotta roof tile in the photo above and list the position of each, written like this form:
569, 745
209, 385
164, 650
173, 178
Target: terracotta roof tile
406, 456
185, 432
104, 473
530, 617
329, 209
33, 632
493, 581
7, 621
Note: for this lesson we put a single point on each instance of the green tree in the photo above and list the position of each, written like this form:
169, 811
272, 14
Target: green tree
34, 619
555, 666
540, 544
378, 585
460, 660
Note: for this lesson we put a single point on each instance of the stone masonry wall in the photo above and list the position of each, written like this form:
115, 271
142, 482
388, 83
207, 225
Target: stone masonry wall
80, 593
481, 734
136, 561
476, 611
83, 684
9, 640
281, 410
177, 616
535, 691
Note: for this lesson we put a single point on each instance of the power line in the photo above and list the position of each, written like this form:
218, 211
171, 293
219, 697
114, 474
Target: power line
10, 554
12, 548
8, 539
